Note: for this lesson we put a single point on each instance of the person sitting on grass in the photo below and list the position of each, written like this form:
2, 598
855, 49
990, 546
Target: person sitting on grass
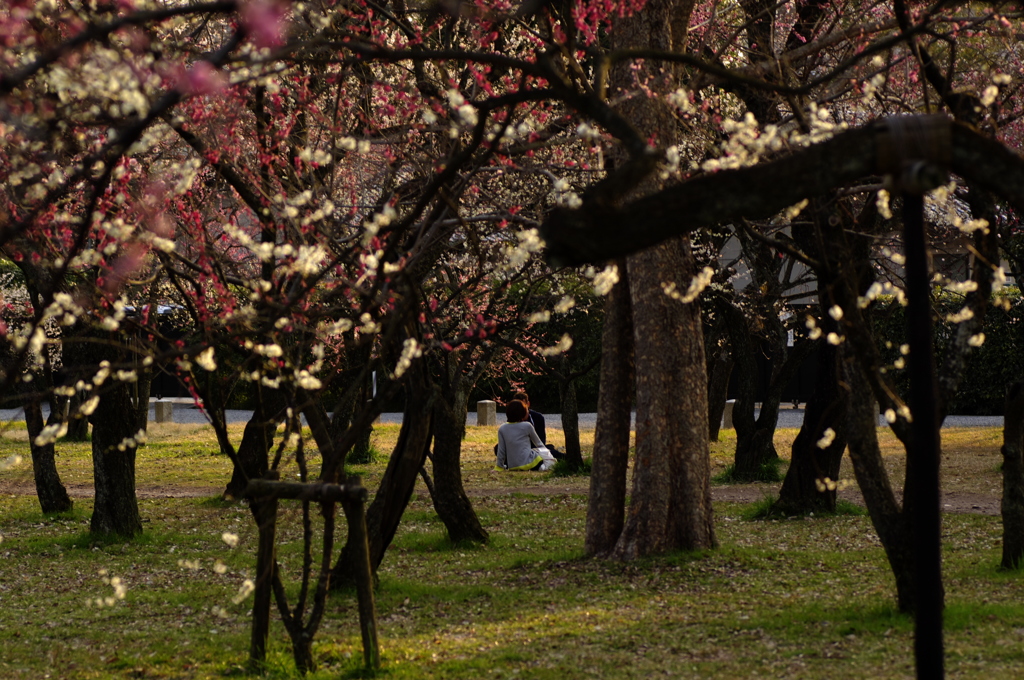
536, 418
519, 447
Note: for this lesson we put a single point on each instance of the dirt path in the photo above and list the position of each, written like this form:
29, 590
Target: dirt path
952, 501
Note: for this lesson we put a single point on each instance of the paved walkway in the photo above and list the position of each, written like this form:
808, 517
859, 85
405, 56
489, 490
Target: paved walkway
185, 412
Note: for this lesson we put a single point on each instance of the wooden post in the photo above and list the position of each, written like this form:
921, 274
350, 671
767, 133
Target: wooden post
265, 510
924, 452
352, 497
356, 515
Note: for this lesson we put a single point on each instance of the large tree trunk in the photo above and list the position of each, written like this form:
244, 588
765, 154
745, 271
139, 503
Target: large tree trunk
670, 507
53, 496
114, 426
606, 503
399, 480
1013, 479
450, 500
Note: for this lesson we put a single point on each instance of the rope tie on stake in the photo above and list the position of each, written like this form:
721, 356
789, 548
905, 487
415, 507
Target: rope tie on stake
914, 152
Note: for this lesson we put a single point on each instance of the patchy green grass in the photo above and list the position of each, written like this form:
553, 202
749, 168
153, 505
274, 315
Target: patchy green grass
804, 597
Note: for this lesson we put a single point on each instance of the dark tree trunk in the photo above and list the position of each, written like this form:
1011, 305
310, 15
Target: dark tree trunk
253, 459
450, 500
399, 480
889, 522
670, 507
607, 500
352, 402
810, 483
755, 446
1013, 479
570, 417
114, 426
720, 365
53, 497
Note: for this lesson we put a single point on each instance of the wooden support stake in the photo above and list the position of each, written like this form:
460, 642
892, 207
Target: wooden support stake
265, 510
356, 515
924, 452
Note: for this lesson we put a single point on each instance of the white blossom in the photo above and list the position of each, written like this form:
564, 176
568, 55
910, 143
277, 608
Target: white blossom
561, 347
410, 350
205, 360
10, 462
882, 203
964, 314
606, 280
696, 287
565, 304
244, 591
51, 433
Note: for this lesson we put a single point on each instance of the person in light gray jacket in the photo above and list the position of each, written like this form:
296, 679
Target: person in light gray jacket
519, 447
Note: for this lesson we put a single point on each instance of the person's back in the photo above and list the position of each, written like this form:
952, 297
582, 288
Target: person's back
519, 447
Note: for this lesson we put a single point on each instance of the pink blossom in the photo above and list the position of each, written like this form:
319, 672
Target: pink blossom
202, 79
265, 21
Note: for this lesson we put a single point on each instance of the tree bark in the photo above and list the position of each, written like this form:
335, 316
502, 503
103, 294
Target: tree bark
1013, 479
670, 506
755, 445
873, 480
257, 439
450, 500
142, 390
593, 233
114, 426
399, 480
53, 496
607, 499
671, 500
809, 485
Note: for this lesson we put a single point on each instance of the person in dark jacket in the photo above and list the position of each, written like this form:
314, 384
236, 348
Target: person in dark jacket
536, 419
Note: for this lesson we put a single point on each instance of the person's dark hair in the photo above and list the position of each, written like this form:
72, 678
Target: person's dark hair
522, 396
515, 411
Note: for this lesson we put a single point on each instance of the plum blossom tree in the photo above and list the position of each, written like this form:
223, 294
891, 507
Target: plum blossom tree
296, 180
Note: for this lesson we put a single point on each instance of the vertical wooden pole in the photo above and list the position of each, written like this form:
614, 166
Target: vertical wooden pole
265, 510
356, 514
925, 518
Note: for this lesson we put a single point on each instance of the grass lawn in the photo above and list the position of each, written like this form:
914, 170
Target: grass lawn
798, 598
